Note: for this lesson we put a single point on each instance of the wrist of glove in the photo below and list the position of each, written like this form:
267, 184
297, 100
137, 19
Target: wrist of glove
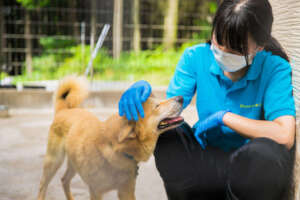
130, 103
212, 121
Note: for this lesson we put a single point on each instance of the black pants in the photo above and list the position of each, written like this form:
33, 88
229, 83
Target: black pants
259, 170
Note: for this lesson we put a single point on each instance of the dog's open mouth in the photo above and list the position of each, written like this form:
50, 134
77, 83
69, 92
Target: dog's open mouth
170, 122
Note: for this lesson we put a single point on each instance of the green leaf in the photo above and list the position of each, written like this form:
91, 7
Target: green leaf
213, 7
31, 4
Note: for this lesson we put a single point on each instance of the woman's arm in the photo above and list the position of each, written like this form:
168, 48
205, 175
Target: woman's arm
278, 107
282, 129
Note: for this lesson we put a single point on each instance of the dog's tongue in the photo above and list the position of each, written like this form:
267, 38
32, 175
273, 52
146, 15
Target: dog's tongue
173, 120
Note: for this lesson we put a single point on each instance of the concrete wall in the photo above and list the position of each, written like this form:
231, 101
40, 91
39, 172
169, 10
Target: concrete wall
287, 30
43, 99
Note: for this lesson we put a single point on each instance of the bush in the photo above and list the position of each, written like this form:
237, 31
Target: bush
56, 43
157, 66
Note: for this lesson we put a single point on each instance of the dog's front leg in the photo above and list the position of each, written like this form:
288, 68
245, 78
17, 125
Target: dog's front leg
126, 191
94, 195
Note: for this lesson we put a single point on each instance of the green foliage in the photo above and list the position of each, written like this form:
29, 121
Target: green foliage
156, 66
3, 75
205, 10
31, 4
205, 33
56, 43
212, 7
76, 63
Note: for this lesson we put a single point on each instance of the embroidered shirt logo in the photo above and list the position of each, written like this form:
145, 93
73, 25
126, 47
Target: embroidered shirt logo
250, 106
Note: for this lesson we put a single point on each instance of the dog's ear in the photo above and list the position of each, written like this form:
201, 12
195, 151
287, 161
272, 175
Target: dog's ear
126, 132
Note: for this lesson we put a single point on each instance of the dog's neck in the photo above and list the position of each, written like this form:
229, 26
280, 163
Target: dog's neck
137, 149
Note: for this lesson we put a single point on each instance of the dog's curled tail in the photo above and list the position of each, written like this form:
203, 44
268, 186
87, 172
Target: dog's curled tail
72, 90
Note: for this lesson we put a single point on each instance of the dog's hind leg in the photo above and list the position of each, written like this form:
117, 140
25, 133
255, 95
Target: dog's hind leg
66, 179
53, 160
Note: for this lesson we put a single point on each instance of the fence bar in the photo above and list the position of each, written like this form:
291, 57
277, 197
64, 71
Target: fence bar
98, 45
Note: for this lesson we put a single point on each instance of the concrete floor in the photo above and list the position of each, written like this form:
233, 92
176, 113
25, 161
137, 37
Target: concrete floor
23, 139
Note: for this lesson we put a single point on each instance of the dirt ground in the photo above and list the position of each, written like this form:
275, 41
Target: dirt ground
23, 139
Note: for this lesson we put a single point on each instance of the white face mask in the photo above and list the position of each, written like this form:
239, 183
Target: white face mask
230, 62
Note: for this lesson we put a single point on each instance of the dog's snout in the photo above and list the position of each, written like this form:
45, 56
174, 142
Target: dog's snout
179, 99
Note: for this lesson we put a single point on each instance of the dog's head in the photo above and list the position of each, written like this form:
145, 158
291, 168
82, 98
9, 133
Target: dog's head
160, 116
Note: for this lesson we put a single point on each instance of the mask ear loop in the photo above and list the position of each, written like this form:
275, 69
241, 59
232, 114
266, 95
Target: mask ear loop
252, 56
247, 59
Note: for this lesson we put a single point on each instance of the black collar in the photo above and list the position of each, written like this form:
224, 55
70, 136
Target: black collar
129, 156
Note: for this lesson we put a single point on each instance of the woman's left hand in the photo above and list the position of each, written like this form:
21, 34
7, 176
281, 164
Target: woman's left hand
212, 121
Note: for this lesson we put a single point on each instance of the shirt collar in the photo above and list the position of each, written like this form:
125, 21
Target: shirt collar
255, 69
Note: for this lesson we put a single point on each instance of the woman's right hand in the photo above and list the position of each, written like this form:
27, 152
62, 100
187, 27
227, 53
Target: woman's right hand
131, 101
212, 121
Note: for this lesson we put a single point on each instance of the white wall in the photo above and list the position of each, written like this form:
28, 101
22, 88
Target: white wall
287, 30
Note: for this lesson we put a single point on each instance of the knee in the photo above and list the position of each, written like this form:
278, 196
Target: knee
261, 150
260, 164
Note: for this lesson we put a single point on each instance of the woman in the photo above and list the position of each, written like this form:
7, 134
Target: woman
241, 147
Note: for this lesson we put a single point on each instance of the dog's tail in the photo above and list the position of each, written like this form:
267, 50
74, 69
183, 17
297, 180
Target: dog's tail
70, 93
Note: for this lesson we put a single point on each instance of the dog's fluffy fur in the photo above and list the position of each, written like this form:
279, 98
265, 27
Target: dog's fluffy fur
104, 154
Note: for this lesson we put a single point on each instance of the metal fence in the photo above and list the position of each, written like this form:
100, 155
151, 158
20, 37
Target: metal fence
22, 30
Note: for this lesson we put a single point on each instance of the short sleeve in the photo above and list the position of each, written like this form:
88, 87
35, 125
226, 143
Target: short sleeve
183, 83
278, 98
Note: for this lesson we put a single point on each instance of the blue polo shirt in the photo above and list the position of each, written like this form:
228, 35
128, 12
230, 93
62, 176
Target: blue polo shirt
265, 92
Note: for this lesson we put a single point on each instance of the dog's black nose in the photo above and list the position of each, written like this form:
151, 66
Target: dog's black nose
179, 99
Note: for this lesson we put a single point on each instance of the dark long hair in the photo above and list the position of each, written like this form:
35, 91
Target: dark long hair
236, 20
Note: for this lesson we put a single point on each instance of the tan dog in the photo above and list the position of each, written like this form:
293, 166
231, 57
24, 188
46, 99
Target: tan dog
104, 154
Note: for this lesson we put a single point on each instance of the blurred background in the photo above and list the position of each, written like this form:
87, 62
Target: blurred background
48, 39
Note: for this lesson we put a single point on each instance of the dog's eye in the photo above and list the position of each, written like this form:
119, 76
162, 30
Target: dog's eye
157, 106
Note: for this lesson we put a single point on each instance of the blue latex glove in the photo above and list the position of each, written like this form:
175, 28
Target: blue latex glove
210, 122
131, 101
